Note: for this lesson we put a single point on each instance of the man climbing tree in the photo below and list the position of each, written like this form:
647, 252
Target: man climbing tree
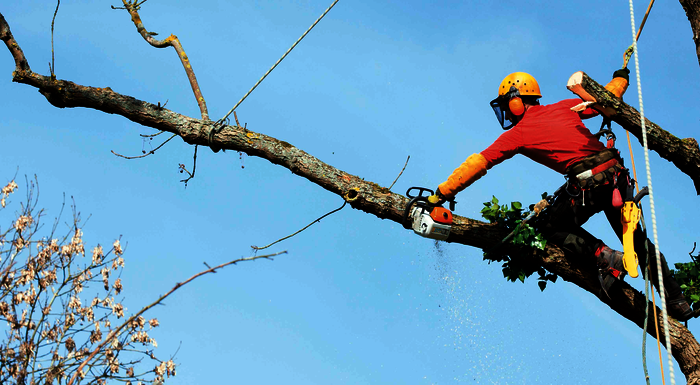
555, 136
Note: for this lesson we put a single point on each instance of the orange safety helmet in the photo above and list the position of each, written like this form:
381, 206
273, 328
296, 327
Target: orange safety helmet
512, 87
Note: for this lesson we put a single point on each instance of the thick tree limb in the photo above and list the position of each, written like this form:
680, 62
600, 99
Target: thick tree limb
692, 10
362, 195
683, 153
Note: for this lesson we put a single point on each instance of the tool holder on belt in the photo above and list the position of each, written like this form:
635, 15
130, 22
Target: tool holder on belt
596, 170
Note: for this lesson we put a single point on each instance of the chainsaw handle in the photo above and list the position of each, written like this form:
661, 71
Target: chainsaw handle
421, 190
641, 194
430, 192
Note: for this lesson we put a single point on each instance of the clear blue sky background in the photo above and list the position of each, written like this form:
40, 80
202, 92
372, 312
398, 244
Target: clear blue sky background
356, 300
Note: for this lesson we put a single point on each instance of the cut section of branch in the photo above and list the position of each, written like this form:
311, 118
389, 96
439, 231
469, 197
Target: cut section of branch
683, 153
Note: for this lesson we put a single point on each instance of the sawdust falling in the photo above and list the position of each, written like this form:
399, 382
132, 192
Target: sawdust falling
467, 324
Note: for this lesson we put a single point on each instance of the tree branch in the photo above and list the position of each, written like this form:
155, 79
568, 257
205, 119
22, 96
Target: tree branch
170, 41
692, 11
21, 63
160, 299
683, 153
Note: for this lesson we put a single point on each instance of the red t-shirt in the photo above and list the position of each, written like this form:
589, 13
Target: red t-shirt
551, 135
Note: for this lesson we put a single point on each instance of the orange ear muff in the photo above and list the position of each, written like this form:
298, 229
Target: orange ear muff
516, 106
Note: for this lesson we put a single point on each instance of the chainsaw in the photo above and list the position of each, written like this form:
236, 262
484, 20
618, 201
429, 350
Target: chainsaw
427, 219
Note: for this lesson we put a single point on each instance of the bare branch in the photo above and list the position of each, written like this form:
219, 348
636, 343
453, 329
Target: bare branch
116, 331
304, 228
402, 170
170, 41
146, 154
21, 64
42, 279
194, 167
52, 66
151, 135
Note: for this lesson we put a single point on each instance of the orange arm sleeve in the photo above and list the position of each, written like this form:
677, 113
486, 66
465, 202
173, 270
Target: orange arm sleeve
469, 172
617, 86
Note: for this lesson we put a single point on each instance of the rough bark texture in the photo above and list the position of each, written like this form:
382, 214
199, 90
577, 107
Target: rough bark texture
362, 195
692, 10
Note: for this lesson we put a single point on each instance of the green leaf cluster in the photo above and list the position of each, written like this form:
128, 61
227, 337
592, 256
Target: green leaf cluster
517, 267
688, 277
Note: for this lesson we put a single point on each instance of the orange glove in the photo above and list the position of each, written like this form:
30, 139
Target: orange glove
469, 172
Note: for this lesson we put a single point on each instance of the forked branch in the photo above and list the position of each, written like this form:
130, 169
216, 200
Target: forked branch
171, 41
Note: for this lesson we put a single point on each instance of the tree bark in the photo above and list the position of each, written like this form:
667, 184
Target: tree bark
362, 195
692, 10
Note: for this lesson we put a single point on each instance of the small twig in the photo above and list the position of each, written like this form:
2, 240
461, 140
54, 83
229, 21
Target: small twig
52, 66
146, 154
184, 169
306, 227
691, 253
178, 285
151, 135
194, 168
399, 176
235, 116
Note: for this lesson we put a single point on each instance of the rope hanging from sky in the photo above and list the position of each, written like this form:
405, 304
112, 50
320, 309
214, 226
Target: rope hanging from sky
278, 62
651, 200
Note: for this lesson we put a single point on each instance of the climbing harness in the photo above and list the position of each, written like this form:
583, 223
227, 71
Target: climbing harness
606, 129
595, 170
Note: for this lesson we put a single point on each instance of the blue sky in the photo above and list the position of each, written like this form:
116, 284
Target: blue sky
356, 300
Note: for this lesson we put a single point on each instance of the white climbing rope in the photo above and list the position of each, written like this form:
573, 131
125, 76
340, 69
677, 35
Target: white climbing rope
651, 200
